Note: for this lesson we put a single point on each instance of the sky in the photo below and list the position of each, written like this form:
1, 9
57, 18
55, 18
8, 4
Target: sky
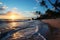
25, 6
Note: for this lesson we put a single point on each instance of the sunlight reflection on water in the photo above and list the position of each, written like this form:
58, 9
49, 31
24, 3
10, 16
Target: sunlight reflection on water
21, 33
13, 25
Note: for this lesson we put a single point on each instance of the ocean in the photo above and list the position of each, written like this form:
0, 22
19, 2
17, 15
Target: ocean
24, 29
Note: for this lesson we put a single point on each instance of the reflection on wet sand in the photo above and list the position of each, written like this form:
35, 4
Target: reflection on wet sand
24, 33
17, 35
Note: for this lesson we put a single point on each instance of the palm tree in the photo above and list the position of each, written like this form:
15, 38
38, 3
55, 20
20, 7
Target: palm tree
55, 4
52, 13
38, 13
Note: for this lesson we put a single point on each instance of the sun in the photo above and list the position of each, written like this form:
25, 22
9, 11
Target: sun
12, 17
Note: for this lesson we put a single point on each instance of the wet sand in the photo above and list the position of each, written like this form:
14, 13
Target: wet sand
54, 25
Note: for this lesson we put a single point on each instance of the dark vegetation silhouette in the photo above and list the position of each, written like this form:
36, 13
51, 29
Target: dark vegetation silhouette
50, 14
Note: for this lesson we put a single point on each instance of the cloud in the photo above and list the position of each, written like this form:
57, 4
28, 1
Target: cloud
15, 8
4, 7
1, 3
30, 14
37, 1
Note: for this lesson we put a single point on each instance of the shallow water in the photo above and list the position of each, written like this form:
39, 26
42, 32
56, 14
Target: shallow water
16, 30
19, 29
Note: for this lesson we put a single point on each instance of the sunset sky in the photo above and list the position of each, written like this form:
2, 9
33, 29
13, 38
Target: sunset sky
24, 6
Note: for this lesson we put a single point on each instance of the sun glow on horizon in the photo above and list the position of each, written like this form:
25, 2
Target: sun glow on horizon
12, 16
